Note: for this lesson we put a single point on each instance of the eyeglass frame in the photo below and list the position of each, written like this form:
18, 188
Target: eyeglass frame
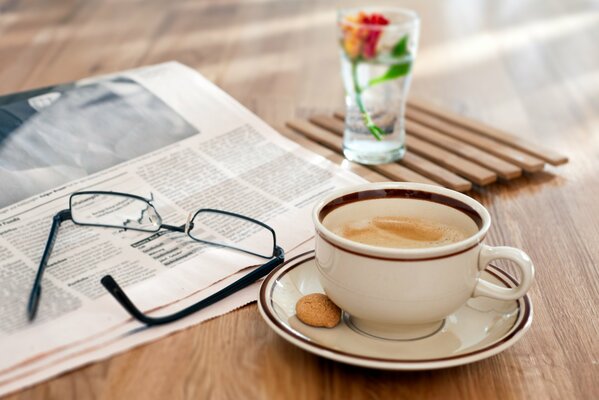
276, 258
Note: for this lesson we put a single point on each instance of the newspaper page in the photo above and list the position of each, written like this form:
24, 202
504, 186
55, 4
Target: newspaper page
233, 162
129, 335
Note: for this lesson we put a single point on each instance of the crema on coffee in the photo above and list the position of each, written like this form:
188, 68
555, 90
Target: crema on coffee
400, 232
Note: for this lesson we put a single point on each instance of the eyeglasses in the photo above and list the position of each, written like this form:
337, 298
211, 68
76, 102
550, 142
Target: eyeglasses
131, 212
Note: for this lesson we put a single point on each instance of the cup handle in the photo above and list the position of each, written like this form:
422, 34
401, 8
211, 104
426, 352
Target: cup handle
488, 289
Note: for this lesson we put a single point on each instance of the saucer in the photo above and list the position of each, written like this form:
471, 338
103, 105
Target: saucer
480, 329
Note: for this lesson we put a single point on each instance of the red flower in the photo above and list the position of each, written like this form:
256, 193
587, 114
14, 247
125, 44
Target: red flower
372, 35
362, 34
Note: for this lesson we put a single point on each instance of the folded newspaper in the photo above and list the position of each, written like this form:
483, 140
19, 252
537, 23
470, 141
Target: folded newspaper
162, 131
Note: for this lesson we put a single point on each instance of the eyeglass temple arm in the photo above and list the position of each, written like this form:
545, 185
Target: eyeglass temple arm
36, 290
120, 296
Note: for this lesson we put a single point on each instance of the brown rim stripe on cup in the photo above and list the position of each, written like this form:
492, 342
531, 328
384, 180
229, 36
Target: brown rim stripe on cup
397, 258
504, 278
402, 194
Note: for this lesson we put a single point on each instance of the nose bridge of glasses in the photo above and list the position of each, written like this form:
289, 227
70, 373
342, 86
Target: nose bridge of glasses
174, 228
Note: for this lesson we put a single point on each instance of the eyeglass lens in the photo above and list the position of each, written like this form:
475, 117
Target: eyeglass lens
114, 210
231, 230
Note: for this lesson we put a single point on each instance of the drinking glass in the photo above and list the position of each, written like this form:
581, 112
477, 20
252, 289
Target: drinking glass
378, 48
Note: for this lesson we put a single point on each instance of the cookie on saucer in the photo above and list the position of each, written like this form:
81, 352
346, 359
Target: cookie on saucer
318, 310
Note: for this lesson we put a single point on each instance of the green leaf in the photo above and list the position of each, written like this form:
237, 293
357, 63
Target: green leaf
400, 51
394, 72
401, 47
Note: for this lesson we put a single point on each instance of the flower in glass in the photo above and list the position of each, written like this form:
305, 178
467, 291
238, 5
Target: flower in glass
360, 43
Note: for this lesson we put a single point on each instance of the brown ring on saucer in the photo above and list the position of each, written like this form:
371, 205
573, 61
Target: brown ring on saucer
506, 279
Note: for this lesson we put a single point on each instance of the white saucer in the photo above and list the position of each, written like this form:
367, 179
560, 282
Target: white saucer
481, 328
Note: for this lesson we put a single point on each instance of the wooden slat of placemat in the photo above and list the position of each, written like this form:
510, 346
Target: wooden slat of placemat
534, 149
502, 168
332, 124
394, 172
469, 170
525, 161
440, 174
416, 163
443, 158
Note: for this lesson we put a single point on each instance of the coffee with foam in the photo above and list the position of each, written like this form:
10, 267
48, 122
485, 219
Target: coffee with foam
399, 232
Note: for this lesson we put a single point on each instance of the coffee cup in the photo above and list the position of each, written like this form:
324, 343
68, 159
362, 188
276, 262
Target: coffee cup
406, 291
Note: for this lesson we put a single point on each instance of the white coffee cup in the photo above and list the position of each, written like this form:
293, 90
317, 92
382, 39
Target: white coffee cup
406, 293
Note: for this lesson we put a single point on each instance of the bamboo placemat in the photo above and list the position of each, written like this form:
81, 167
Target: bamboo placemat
444, 148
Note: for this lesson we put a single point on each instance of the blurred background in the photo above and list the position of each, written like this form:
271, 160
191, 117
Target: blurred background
280, 57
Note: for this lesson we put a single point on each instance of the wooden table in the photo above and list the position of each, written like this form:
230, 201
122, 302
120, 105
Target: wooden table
531, 68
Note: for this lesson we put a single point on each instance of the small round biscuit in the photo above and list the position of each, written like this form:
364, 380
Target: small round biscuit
317, 309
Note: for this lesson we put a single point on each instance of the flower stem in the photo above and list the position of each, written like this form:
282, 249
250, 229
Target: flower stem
375, 130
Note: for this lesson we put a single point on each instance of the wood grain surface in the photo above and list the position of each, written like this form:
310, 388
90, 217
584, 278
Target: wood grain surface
530, 68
